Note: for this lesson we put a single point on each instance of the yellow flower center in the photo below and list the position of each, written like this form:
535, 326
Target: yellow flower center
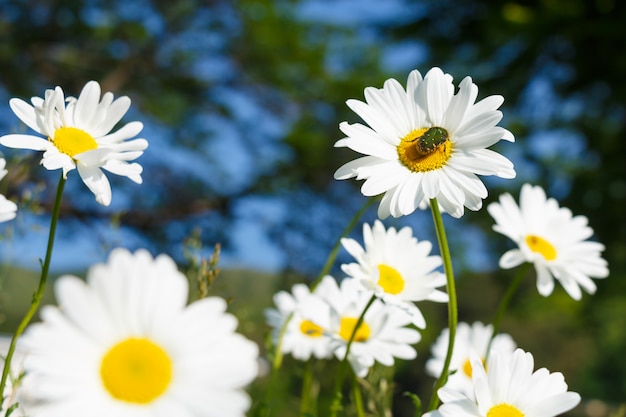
346, 328
311, 329
425, 149
136, 370
390, 279
504, 410
72, 141
541, 246
467, 367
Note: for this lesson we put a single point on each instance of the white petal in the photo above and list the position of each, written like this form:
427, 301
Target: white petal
97, 182
511, 259
26, 113
34, 143
86, 106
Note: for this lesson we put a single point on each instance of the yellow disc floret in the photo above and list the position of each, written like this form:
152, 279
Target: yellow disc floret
311, 329
136, 370
425, 149
543, 247
504, 410
467, 367
346, 328
390, 279
72, 141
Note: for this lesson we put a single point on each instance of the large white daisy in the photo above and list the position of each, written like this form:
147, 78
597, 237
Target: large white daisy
77, 134
510, 389
474, 338
126, 344
397, 268
8, 209
301, 310
549, 237
381, 336
425, 142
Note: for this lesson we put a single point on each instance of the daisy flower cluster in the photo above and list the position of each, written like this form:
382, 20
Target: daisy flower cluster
321, 323
126, 342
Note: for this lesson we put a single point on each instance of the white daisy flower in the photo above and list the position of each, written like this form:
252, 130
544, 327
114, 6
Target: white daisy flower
425, 142
550, 238
397, 268
510, 389
381, 336
126, 344
474, 338
8, 209
77, 134
302, 337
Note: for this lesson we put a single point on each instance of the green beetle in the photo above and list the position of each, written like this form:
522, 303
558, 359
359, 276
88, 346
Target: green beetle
432, 138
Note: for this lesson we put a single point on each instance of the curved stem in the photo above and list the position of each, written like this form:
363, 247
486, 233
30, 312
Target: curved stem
357, 397
336, 404
335, 250
504, 303
452, 306
40, 289
305, 397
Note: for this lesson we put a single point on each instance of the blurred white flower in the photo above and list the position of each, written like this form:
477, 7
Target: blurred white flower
550, 238
510, 389
13, 386
8, 209
397, 268
474, 338
77, 134
425, 142
125, 343
381, 337
302, 336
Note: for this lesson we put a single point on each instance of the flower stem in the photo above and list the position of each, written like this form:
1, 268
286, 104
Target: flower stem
452, 306
336, 404
40, 289
306, 408
504, 303
357, 397
335, 250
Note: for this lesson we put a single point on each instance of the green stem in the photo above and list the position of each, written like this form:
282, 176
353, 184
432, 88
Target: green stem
336, 404
504, 303
333, 253
40, 289
357, 397
452, 306
307, 381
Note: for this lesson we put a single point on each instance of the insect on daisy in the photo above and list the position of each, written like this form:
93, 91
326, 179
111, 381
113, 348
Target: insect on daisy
425, 142
550, 238
474, 338
397, 268
125, 343
77, 134
510, 389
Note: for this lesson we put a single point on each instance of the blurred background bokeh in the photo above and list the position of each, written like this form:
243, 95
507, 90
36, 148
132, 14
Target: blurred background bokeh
241, 102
